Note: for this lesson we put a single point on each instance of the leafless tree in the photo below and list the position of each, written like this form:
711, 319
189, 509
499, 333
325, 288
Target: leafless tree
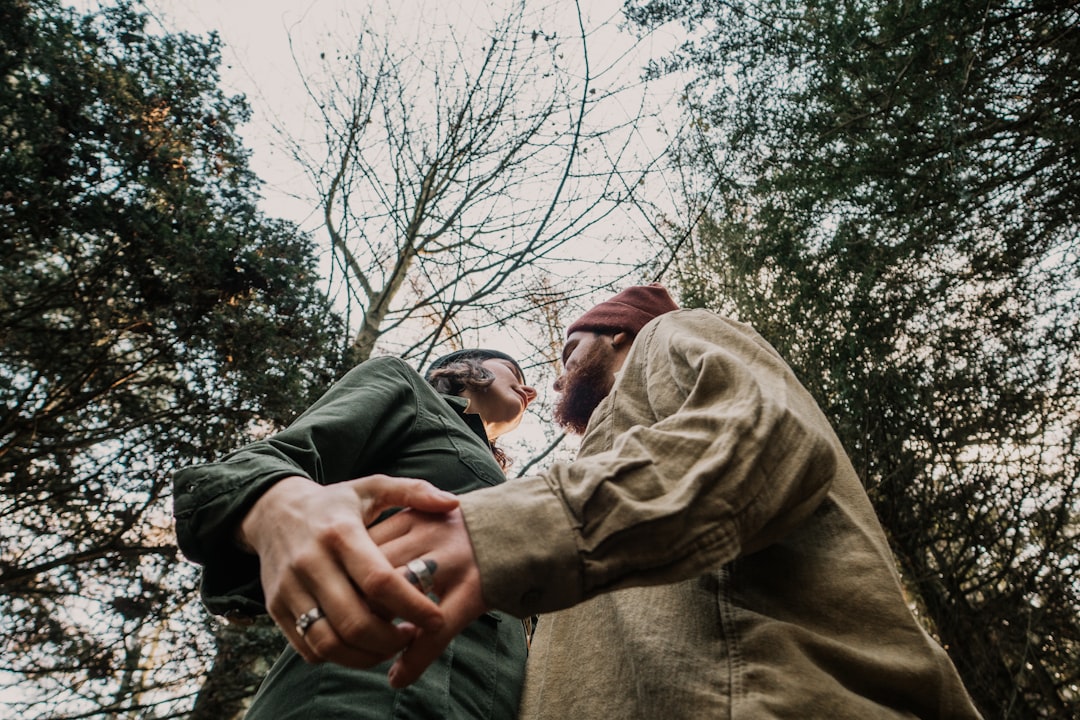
462, 176
452, 177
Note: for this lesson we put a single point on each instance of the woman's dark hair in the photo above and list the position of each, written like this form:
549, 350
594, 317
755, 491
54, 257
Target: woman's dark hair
468, 373
465, 374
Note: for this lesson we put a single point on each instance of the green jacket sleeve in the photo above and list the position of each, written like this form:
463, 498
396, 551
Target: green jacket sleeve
338, 438
706, 449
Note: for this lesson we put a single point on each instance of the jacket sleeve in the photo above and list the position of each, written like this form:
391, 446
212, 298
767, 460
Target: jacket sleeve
723, 453
333, 440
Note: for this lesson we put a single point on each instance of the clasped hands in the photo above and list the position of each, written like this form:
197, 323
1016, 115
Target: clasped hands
341, 591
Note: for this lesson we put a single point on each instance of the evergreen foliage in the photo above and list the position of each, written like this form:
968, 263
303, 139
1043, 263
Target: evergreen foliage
150, 317
895, 203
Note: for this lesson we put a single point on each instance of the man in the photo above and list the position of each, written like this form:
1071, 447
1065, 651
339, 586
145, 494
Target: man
710, 552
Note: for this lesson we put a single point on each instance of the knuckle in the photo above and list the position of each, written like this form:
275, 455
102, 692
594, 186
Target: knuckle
352, 631
378, 581
279, 612
304, 562
336, 534
322, 646
374, 483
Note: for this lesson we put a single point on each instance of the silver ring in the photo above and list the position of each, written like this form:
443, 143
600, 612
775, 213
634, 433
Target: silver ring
306, 620
421, 573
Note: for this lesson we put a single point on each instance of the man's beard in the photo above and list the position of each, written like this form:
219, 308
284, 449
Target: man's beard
580, 391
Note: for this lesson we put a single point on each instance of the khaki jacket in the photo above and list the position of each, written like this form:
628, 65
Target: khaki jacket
751, 577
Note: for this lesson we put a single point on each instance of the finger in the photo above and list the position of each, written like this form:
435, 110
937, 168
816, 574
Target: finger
392, 528
335, 578
358, 632
305, 622
352, 632
377, 579
337, 624
401, 549
421, 574
330, 646
460, 610
286, 609
412, 663
438, 543
381, 492
410, 534
287, 622
315, 639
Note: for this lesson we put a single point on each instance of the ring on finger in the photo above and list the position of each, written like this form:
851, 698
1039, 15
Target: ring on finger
421, 573
307, 619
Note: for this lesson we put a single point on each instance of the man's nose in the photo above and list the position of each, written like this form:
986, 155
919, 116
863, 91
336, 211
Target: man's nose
558, 384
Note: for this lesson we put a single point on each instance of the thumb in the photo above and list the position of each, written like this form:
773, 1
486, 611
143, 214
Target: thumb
382, 492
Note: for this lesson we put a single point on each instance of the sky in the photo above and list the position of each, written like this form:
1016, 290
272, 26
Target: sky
260, 38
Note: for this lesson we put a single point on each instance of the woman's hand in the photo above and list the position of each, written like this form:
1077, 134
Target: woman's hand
318, 562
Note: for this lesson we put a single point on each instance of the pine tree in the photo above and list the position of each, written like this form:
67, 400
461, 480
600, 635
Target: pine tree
150, 316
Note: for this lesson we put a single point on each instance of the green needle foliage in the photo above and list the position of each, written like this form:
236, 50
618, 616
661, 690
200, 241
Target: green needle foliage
892, 196
150, 317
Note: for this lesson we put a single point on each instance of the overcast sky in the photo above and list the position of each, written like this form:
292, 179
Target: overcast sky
257, 60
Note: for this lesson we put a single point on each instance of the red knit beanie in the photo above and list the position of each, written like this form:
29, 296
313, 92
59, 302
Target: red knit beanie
629, 310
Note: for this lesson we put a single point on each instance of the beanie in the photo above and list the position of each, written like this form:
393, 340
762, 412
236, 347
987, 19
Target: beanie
629, 310
472, 354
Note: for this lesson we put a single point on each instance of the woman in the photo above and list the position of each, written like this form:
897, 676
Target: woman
381, 418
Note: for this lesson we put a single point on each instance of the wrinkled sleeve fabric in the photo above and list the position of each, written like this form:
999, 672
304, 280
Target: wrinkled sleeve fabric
335, 439
707, 449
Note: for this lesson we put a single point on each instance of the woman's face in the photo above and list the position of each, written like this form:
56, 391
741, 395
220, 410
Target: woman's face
501, 404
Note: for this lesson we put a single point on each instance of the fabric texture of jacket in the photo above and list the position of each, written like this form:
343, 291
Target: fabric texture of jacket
380, 418
715, 549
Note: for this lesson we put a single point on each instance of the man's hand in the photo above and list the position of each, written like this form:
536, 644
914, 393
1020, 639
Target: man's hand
442, 541
316, 555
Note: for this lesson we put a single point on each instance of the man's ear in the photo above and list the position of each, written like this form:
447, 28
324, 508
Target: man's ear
620, 342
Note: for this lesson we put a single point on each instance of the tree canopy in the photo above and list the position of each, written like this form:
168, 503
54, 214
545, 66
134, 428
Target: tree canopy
150, 315
887, 189
890, 192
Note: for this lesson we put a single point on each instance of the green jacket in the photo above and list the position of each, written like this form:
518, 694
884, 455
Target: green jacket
714, 549
380, 418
